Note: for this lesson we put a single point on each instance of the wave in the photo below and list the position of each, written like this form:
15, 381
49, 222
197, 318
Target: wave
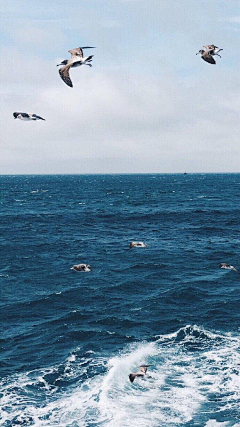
193, 380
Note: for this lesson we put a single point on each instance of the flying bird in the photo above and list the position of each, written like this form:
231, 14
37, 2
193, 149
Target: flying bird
26, 116
137, 245
81, 267
213, 50
77, 59
140, 373
227, 266
206, 56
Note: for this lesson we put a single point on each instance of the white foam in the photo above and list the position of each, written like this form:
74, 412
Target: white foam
214, 423
179, 385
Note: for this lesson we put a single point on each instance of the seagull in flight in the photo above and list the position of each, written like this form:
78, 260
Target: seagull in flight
140, 373
77, 59
26, 116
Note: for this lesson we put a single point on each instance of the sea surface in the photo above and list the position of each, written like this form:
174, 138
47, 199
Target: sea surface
69, 340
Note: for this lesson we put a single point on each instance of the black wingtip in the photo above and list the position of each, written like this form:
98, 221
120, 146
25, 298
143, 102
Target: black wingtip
131, 377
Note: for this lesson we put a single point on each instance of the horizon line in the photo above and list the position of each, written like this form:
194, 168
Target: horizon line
119, 173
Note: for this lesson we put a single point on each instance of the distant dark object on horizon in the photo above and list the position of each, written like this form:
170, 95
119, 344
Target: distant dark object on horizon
81, 267
227, 266
26, 116
140, 373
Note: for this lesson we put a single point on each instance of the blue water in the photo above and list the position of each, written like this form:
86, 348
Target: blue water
69, 340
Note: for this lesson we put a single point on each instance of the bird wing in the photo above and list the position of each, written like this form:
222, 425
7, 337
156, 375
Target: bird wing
38, 117
210, 47
76, 52
208, 58
24, 114
64, 74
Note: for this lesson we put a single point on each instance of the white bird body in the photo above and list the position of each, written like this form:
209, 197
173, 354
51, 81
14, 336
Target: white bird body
137, 245
24, 118
77, 62
215, 51
227, 266
81, 267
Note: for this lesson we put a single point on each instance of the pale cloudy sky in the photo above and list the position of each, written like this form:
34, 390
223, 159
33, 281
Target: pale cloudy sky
148, 104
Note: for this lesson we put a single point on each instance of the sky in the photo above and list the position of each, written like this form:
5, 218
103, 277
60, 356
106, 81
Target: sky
148, 104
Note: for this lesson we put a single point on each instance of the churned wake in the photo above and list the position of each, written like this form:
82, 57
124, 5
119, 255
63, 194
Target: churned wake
194, 380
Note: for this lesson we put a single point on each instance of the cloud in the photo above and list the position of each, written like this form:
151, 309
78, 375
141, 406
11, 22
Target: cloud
234, 19
148, 104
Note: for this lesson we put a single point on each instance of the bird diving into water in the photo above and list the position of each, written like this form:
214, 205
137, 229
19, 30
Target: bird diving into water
77, 59
207, 55
26, 116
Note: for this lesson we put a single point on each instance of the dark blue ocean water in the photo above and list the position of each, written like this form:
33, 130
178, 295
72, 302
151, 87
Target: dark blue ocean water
69, 340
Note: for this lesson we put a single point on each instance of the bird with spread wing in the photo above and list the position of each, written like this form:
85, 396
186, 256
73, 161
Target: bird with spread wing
142, 370
77, 59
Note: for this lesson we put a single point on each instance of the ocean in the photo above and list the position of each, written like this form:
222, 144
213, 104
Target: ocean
69, 340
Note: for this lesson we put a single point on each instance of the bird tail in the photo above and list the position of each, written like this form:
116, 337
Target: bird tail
89, 57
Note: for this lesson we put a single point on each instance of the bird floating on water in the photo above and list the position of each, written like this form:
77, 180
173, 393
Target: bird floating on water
227, 266
137, 245
81, 267
140, 373
77, 59
26, 116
